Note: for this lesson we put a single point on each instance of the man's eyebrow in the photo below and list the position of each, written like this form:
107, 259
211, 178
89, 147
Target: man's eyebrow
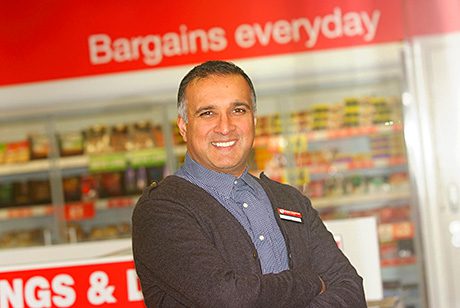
203, 108
238, 104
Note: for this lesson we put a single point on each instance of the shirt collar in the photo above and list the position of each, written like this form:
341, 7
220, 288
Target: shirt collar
222, 183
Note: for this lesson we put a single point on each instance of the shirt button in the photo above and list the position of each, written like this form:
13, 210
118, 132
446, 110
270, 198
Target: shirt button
235, 182
245, 205
261, 237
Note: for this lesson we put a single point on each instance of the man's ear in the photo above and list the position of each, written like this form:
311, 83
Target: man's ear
182, 127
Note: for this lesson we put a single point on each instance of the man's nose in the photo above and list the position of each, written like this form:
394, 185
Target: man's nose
225, 124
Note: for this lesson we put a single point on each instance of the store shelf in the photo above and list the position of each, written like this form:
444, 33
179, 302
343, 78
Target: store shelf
281, 141
356, 165
119, 202
76, 210
43, 165
70, 162
350, 132
26, 167
26, 212
398, 261
359, 199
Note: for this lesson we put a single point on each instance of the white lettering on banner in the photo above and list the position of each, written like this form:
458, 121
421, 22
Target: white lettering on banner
331, 26
11, 295
100, 292
36, 292
65, 294
152, 48
134, 288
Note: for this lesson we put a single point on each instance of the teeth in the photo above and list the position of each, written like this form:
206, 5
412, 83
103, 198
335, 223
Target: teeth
224, 144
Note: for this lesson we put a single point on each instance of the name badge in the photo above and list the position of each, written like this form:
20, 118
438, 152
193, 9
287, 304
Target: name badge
290, 215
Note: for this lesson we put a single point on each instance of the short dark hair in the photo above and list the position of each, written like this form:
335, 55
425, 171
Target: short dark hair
204, 70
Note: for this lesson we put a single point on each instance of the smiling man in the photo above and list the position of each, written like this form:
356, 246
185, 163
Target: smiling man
219, 123
213, 235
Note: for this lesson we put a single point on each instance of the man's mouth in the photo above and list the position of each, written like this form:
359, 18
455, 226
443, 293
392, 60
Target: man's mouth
223, 144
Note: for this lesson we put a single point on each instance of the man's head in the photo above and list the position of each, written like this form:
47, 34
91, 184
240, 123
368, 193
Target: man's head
216, 107
204, 70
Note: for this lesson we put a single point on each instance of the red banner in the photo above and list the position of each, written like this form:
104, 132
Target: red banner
48, 40
95, 283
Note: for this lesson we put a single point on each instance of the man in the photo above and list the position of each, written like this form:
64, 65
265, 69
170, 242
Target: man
212, 235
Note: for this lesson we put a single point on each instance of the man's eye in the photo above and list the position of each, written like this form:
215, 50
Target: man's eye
206, 113
239, 110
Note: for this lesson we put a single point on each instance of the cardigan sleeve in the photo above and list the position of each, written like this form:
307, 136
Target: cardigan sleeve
344, 285
173, 254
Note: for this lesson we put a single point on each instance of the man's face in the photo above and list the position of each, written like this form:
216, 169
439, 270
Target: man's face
221, 125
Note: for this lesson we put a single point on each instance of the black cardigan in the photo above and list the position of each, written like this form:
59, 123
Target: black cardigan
189, 251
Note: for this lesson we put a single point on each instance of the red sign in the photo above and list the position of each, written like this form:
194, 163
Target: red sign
62, 39
65, 39
79, 211
95, 283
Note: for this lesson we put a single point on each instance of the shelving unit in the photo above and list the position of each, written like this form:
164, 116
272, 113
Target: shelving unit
364, 199
285, 152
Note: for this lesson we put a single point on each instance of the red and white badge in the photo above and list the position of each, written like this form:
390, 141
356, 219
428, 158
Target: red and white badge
290, 215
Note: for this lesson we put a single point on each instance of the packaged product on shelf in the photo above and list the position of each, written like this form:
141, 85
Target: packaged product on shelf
103, 232
261, 156
129, 181
75, 233
351, 113
355, 184
120, 138
155, 173
21, 193
141, 178
177, 137
395, 214
399, 181
124, 230
17, 152
382, 110
110, 184
316, 189
304, 121
406, 248
6, 194
263, 126
380, 146
320, 116
275, 124
333, 186
296, 122
22, 238
40, 191
97, 139
89, 187
158, 136
2, 153
378, 183
39, 146
366, 112
71, 143
397, 146
335, 117
142, 135
72, 188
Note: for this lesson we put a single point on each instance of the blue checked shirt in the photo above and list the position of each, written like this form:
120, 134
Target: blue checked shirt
247, 201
